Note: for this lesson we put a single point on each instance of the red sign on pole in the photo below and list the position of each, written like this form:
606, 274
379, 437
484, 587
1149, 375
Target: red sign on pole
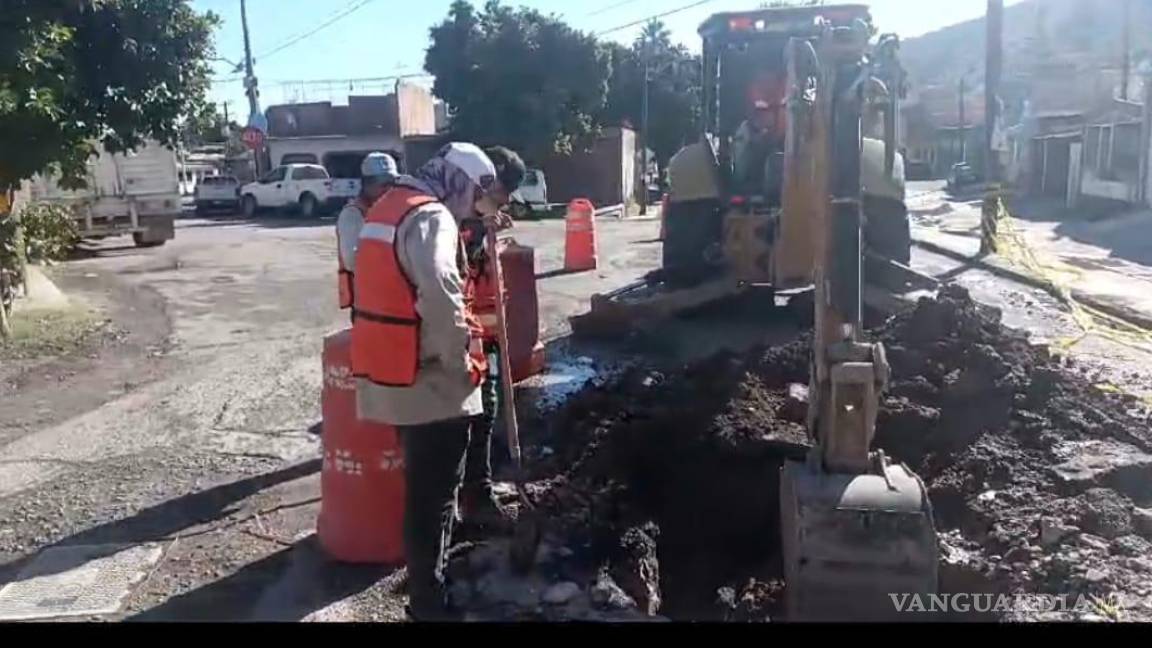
253, 138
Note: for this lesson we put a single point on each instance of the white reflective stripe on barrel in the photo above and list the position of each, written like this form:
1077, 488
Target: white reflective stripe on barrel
378, 232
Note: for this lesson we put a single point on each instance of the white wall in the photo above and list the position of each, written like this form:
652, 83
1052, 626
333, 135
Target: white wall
1108, 189
321, 145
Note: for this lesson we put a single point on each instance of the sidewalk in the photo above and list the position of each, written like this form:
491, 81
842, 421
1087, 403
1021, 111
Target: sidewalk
1104, 264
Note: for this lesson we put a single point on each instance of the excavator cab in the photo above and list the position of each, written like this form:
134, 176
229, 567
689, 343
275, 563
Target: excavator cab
727, 214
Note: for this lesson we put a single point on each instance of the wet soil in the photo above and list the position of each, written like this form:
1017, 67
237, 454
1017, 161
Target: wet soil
1037, 477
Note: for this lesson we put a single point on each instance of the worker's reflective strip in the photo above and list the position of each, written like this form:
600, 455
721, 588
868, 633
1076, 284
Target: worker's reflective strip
378, 232
384, 319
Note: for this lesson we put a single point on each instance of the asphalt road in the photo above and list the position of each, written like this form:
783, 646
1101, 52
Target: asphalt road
196, 413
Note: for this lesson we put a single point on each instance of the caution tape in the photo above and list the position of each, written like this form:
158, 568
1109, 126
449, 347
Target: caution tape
1009, 244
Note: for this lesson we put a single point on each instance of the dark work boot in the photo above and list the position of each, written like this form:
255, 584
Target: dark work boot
480, 508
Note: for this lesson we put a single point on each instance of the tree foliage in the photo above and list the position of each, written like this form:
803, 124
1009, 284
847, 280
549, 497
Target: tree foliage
206, 125
673, 89
517, 77
49, 231
77, 72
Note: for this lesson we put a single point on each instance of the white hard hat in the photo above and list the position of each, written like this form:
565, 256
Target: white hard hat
470, 159
378, 165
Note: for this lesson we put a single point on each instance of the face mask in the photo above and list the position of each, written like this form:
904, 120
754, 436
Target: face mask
486, 205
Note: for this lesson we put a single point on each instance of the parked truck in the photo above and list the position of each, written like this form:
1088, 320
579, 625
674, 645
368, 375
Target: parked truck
135, 193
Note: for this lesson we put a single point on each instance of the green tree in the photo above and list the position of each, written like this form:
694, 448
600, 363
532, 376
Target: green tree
77, 72
517, 77
206, 126
673, 89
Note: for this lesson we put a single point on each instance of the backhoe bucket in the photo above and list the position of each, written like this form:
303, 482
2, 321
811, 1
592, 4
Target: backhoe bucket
854, 544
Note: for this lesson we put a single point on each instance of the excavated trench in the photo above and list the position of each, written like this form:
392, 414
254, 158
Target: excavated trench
666, 483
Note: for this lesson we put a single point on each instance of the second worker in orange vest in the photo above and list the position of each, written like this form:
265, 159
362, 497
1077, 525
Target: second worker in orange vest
417, 348
377, 173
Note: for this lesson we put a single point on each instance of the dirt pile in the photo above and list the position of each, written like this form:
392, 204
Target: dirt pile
668, 481
1038, 470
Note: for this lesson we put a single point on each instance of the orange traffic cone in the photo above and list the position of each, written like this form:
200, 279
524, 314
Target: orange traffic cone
580, 236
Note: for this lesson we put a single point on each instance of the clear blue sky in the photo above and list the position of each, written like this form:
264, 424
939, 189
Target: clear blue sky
388, 37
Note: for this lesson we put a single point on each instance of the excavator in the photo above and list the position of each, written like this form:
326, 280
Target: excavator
797, 185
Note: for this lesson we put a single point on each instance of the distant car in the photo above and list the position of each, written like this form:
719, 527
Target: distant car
655, 193
531, 199
217, 192
962, 175
916, 170
302, 188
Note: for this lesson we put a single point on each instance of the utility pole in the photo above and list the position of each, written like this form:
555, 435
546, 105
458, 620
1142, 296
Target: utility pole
963, 128
993, 70
643, 139
1146, 140
250, 83
1126, 55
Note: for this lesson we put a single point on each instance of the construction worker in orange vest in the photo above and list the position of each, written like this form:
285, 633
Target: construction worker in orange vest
478, 505
377, 173
417, 349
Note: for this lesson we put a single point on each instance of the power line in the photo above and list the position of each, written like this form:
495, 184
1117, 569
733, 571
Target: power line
654, 17
615, 5
350, 9
395, 77
301, 34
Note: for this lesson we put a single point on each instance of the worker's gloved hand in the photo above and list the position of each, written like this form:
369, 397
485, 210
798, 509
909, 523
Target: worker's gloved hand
497, 221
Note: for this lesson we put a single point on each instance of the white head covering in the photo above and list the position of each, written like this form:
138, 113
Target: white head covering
474, 162
453, 176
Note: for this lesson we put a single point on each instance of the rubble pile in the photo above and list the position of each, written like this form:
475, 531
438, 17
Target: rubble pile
662, 487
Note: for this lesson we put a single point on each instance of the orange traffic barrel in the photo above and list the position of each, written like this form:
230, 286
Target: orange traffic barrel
580, 236
362, 477
521, 301
523, 306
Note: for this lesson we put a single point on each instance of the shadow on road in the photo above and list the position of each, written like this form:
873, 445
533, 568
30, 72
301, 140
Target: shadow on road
161, 521
273, 220
558, 272
284, 586
1125, 232
92, 250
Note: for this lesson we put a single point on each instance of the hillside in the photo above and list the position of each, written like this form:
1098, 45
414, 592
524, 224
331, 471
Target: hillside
1087, 31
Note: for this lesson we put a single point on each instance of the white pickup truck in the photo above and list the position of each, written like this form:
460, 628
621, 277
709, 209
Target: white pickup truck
302, 188
531, 199
135, 193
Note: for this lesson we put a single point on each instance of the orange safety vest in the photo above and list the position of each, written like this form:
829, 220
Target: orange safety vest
385, 324
344, 276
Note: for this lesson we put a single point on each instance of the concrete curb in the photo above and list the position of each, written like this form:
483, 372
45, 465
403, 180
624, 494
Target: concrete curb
43, 294
1136, 318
